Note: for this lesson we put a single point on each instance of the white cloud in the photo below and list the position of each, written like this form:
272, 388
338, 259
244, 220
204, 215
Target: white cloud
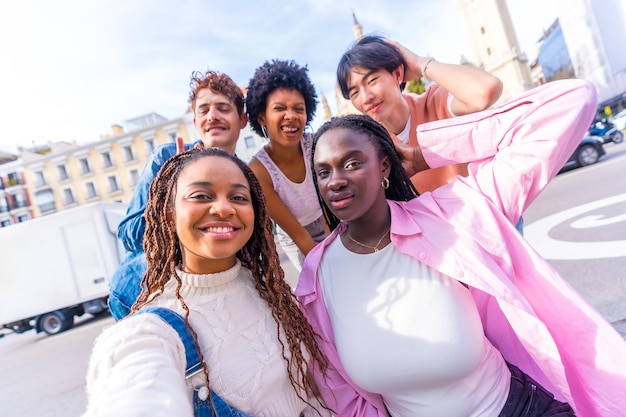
72, 68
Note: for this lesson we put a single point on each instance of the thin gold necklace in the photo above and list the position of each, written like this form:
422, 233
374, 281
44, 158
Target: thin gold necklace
375, 248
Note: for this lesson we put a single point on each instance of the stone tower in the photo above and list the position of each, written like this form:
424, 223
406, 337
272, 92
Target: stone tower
356, 27
495, 44
345, 106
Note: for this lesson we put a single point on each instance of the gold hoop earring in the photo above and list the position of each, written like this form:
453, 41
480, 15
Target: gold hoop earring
385, 183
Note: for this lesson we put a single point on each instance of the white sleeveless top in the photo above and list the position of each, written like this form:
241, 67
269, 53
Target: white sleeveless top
411, 334
300, 198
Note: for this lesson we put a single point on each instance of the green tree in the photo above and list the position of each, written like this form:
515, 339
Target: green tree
415, 86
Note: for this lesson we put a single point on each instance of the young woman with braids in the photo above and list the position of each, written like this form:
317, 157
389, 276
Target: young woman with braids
212, 260
434, 305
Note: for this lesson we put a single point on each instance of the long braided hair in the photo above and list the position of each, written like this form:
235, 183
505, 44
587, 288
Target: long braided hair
259, 255
400, 186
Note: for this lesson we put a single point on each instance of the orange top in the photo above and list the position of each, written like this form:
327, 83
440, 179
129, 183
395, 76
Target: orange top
427, 107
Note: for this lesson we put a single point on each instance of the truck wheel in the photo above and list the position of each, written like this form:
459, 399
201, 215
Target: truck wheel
55, 322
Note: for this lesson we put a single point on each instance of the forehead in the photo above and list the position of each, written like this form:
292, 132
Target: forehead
215, 169
285, 94
208, 96
339, 142
356, 74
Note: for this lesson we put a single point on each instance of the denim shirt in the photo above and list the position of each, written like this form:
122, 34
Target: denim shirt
125, 283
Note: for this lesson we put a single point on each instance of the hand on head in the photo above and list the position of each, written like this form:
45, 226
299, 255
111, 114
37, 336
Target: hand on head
414, 62
411, 157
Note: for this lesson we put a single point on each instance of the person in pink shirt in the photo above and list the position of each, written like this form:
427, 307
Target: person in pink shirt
372, 74
433, 304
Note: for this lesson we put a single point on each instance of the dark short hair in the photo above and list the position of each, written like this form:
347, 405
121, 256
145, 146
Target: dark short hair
271, 76
372, 53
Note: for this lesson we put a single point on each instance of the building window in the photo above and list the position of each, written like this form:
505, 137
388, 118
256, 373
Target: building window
113, 185
149, 145
62, 171
134, 176
45, 201
128, 153
20, 200
249, 141
84, 166
22, 218
107, 162
173, 136
4, 205
90, 188
5, 223
68, 197
40, 179
14, 179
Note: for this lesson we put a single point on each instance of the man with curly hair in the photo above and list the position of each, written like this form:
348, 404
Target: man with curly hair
217, 103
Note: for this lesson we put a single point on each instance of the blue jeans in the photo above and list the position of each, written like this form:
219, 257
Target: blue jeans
125, 284
529, 399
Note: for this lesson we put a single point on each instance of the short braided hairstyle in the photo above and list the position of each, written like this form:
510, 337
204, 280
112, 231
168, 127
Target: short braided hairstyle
259, 255
400, 186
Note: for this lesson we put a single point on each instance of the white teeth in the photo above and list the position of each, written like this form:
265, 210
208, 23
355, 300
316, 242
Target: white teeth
220, 229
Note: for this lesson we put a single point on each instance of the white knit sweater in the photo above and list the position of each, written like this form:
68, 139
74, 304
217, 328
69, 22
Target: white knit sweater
137, 365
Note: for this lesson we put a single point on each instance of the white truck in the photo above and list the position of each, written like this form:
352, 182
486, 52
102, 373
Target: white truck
56, 267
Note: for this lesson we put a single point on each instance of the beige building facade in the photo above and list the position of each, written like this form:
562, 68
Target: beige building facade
15, 204
490, 30
61, 175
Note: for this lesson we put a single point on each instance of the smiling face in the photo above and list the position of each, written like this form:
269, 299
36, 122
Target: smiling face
349, 174
375, 92
284, 116
213, 214
217, 121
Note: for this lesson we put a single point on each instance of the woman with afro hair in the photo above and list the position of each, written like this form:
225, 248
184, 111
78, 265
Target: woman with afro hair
281, 102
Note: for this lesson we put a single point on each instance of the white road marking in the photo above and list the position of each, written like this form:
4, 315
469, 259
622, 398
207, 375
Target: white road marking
538, 233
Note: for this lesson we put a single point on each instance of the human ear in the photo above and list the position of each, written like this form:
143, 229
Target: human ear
398, 74
385, 167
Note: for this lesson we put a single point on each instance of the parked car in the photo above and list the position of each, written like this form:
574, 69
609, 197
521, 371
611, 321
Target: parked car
588, 152
619, 121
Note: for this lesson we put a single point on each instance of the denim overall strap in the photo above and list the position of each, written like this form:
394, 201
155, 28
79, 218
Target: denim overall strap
202, 408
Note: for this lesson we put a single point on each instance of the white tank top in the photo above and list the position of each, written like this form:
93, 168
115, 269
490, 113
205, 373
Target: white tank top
300, 198
411, 334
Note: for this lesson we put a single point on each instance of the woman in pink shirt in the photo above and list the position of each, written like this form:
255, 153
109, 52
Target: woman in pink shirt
434, 305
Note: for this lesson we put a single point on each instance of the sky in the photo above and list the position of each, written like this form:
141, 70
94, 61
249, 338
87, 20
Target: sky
69, 69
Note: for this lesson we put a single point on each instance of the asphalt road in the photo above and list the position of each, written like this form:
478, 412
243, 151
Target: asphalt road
579, 225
